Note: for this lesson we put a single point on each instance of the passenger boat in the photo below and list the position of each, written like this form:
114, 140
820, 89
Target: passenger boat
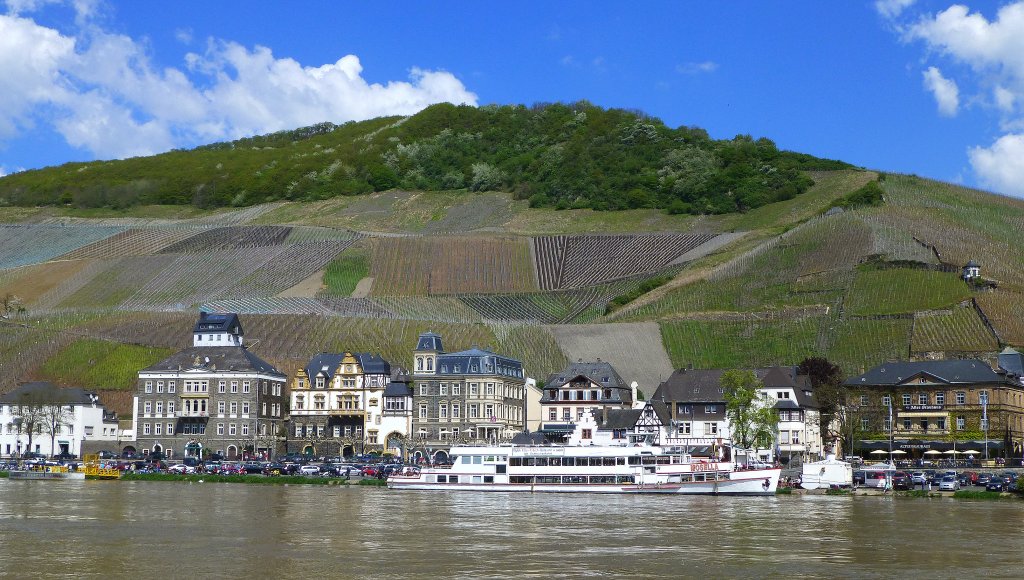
588, 469
45, 472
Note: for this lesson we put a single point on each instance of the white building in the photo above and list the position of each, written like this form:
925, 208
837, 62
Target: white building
67, 417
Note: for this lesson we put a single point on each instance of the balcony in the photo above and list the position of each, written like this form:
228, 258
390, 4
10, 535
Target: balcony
192, 414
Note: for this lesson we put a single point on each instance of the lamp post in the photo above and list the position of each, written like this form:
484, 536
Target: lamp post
984, 420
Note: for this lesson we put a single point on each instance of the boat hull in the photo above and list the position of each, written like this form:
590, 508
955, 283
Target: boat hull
761, 482
45, 475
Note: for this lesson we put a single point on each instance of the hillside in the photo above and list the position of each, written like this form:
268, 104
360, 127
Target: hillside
554, 155
107, 292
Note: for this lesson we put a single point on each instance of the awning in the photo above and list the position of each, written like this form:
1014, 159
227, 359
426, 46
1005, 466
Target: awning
924, 414
558, 428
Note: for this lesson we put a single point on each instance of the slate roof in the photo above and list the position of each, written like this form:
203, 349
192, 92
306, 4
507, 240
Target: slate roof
325, 362
46, 392
218, 322
400, 385
429, 341
704, 385
969, 371
222, 358
476, 361
373, 364
1011, 361
618, 419
601, 373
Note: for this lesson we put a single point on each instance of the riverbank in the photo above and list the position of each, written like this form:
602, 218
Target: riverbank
915, 493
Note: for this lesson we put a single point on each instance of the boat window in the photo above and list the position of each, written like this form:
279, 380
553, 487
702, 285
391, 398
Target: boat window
663, 460
698, 477
515, 462
442, 478
648, 459
530, 461
686, 477
624, 479
453, 479
488, 479
608, 461
548, 479
574, 479
477, 479
568, 461
602, 479
555, 461
620, 460
541, 461
634, 460
466, 459
478, 459
500, 468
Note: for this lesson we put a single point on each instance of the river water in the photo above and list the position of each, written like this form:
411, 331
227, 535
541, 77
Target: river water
172, 529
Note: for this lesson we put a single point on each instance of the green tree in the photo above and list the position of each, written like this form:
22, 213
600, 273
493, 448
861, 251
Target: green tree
829, 392
751, 416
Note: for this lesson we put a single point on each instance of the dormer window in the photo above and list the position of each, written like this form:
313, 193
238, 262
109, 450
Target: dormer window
444, 368
604, 379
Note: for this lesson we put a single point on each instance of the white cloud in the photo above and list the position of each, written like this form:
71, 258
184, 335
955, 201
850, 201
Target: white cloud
945, 91
892, 8
692, 68
1004, 99
101, 91
1001, 166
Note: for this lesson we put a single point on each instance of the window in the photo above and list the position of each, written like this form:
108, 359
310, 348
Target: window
796, 437
552, 414
961, 397
298, 430
587, 434
234, 407
221, 407
906, 399
442, 411
222, 386
337, 430
474, 389
159, 386
220, 429
710, 428
489, 391
940, 423
170, 428
984, 423
907, 424
474, 411
245, 408
158, 429
864, 423
170, 386
234, 386
443, 389
983, 397
149, 386
887, 424
960, 422
300, 402
319, 401
886, 401
148, 408
159, 407
922, 398
685, 428
489, 412
423, 390
456, 389
146, 429
455, 411
246, 386
940, 398
784, 437
423, 411
170, 407
430, 364
232, 429
710, 409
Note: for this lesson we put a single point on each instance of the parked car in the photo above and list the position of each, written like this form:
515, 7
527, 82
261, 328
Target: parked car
983, 479
949, 483
252, 467
902, 480
181, 468
995, 484
309, 470
858, 477
275, 469
919, 477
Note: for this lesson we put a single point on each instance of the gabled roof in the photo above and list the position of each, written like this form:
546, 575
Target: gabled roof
43, 392
373, 364
214, 359
704, 385
218, 322
600, 372
324, 363
953, 372
476, 361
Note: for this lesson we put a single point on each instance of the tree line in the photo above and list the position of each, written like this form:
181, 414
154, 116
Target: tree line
561, 155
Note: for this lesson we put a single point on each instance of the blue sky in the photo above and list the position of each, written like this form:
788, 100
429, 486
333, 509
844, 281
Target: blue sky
926, 87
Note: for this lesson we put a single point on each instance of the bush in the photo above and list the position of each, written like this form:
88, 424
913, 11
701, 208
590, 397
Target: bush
869, 195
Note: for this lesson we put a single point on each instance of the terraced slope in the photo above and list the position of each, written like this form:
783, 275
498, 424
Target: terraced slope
635, 350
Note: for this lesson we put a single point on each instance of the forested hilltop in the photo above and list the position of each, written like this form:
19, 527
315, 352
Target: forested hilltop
556, 155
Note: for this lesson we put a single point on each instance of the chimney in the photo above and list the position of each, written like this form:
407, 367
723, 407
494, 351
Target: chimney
604, 415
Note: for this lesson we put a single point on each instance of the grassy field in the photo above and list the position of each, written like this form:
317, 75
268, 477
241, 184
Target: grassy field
344, 272
731, 344
100, 364
902, 291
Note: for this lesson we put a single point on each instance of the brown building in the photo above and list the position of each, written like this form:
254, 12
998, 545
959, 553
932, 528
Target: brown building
943, 406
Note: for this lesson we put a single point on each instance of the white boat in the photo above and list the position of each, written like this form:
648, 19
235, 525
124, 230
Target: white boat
587, 469
826, 474
45, 472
